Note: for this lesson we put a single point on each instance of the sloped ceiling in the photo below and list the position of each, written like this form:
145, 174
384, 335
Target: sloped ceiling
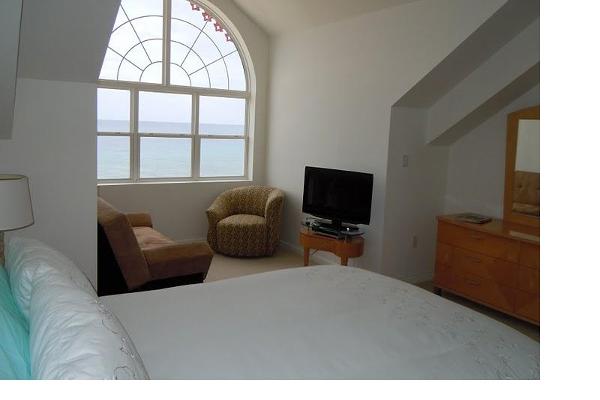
285, 16
65, 40
492, 35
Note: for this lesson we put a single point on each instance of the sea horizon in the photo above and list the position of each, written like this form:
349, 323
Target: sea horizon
170, 157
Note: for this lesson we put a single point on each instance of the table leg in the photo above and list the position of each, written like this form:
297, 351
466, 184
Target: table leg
306, 256
344, 260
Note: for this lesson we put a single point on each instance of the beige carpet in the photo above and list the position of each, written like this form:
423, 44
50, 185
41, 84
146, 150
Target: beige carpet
223, 267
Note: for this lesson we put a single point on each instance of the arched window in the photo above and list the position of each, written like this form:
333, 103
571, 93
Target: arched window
172, 96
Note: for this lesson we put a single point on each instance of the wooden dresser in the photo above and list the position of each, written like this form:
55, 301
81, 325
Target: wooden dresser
496, 264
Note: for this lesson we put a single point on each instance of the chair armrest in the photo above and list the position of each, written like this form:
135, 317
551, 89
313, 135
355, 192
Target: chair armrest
274, 205
273, 211
140, 219
218, 210
178, 259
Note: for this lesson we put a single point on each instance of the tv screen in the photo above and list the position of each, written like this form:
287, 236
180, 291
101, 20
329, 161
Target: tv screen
340, 196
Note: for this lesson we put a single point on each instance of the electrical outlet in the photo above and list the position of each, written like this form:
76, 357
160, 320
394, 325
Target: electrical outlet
405, 160
415, 242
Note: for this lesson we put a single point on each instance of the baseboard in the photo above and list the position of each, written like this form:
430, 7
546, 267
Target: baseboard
416, 279
315, 258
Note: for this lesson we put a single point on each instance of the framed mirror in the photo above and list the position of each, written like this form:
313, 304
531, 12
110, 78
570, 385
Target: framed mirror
522, 177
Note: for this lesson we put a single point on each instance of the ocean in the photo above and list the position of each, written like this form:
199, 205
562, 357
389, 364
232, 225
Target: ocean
170, 157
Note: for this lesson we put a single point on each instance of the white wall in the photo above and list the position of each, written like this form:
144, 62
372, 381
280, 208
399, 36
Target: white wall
53, 142
333, 87
178, 209
415, 193
475, 181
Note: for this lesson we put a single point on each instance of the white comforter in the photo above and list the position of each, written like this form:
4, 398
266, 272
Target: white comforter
325, 322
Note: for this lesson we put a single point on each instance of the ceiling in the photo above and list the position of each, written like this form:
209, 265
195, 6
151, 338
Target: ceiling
284, 16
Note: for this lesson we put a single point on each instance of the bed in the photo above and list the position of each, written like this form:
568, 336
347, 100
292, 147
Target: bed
322, 322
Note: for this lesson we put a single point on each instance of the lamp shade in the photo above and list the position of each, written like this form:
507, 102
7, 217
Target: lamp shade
15, 202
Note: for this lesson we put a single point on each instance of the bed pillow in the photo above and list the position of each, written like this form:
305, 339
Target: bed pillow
75, 336
28, 259
72, 335
14, 335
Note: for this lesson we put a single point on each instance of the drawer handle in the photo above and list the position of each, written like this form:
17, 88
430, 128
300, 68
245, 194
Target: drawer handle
474, 259
476, 237
472, 282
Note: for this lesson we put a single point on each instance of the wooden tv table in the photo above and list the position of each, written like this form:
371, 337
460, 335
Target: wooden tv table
343, 248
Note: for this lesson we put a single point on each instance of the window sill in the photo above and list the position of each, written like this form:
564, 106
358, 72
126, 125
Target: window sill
220, 181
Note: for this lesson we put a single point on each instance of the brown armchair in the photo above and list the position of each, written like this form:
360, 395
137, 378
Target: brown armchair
245, 221
132, 256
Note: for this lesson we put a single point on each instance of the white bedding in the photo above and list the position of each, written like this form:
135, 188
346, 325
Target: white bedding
324, 322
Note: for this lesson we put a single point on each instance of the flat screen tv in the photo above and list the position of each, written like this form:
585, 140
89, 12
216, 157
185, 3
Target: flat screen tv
339, 196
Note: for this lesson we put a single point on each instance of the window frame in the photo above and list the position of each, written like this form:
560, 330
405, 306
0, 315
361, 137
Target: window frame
135, 136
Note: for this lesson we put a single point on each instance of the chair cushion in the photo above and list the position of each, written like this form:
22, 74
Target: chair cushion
149, 238
242, 235
178, 259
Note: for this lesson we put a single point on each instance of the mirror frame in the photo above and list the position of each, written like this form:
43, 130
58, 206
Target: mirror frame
512, 135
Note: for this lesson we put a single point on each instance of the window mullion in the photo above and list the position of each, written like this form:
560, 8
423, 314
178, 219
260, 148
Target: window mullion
195, 137
115, 134
166, 135
223, 137
247, 139
167, 42
153, 87
135, 139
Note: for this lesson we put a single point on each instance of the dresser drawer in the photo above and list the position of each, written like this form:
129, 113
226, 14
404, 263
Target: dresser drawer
500, 271
444, 275
529, 280
484, 290
479, 242
443, 254
528, 305
530, 255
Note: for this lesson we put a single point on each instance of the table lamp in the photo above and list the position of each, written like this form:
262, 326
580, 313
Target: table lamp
15, 206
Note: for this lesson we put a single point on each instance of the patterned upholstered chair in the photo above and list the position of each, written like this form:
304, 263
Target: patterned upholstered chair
245, 221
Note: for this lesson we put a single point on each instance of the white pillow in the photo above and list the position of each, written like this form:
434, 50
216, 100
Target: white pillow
72, 334
28, 259
75, 336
